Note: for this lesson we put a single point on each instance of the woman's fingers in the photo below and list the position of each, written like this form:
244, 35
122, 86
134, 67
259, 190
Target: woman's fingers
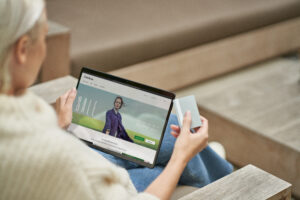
175, 128
204, 126
203, 118
65, 96
64, 107
61, 101
71, 97
185, 127
202, 132
187, 121
174, 134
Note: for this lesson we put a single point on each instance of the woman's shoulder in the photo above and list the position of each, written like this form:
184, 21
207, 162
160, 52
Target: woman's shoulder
110, 111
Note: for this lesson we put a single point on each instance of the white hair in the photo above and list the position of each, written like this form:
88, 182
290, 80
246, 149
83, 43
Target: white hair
17, 18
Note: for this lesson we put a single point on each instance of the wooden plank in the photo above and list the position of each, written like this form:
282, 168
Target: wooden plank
187, 67
249, 183
53, 89
57, 61
255, 114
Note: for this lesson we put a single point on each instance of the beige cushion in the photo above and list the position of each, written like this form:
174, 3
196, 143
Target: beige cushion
111, 34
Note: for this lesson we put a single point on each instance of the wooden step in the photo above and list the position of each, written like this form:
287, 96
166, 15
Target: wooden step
255, 114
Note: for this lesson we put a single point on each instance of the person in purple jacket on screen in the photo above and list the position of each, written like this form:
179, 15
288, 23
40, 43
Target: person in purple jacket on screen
113, 123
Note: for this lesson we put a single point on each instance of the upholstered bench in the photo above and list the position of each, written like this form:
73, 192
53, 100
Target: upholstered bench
255, 114
57, 62
164, 42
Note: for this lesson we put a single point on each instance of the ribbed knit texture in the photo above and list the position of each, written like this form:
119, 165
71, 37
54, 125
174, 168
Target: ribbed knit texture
38, 160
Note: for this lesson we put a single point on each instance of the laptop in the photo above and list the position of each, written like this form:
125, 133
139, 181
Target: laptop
120, 117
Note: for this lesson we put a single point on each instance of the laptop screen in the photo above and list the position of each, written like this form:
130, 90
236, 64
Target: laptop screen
120, 118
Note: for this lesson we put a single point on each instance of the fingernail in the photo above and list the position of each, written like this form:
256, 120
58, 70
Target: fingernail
187, 113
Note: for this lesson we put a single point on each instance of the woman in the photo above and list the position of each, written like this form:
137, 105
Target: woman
113, 123
40, 160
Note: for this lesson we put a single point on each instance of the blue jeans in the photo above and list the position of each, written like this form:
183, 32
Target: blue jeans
204, 168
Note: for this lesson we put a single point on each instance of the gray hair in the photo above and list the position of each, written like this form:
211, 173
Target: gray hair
17, 18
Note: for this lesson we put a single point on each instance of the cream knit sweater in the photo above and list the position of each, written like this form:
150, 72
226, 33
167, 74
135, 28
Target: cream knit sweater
38, 160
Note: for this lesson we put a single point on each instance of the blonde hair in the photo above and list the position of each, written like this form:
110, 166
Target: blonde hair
17, 18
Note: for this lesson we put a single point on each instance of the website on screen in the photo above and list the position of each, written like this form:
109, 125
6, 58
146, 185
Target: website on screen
119, 118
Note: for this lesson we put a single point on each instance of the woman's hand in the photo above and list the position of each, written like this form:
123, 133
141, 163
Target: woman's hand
189, 144
186, 147
63, 108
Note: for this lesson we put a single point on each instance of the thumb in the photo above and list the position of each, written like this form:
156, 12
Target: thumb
71, 98
187, 121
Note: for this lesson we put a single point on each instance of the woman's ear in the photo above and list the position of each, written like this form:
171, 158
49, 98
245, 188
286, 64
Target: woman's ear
21, 49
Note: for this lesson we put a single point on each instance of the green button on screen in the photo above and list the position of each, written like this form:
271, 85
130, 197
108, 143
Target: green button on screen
139, 138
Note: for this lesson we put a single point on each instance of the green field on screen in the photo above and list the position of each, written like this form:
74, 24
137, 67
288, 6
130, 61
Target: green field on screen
98, 125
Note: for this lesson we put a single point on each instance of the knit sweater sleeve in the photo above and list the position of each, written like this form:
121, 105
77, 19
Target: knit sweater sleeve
38, 160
